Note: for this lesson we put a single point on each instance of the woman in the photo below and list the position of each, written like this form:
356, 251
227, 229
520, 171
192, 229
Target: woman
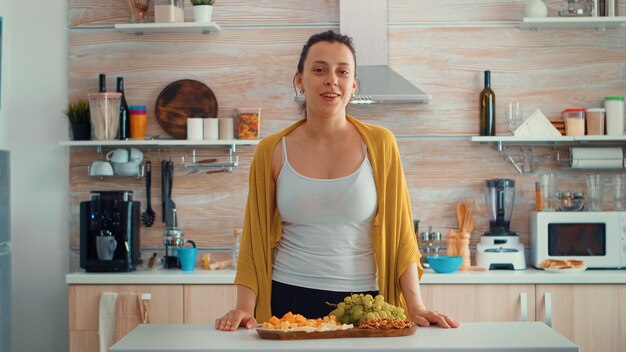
328, 209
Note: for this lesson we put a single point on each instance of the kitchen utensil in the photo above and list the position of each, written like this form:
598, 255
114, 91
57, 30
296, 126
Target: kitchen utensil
139, 10
460, 214
452, 238
147, 217
171, 205
180, 100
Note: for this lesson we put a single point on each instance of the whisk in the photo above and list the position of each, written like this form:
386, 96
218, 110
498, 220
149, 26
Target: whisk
139, 10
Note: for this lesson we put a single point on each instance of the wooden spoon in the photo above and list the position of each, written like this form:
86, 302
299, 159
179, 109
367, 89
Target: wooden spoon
460, 214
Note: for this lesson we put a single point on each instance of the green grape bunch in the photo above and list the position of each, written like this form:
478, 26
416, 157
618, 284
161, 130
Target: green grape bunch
358, 308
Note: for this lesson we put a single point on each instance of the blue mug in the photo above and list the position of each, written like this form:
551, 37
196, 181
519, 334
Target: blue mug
187, 256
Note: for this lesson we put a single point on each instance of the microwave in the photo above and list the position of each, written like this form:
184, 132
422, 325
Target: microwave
596, 237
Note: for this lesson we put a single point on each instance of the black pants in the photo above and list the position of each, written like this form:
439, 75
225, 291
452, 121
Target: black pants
306, 301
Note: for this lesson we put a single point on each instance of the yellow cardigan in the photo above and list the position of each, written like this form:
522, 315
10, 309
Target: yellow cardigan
393, 238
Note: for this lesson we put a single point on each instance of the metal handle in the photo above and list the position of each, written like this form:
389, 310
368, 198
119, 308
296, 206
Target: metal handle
547, 301
523, 298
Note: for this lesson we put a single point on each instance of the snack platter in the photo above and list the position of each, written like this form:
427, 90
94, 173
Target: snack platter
276, 334
567, 266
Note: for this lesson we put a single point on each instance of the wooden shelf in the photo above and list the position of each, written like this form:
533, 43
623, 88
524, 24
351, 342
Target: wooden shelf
599, 23
183, 27
563, 139
160, 142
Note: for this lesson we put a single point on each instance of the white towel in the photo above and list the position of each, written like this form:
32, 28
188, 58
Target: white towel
130, 310
106, 324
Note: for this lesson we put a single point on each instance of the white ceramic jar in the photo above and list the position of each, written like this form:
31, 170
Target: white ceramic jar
614, 115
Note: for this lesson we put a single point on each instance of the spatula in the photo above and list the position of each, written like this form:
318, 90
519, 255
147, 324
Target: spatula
147, 217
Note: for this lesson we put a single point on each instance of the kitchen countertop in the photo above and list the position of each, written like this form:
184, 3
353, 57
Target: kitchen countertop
505, 337
227, 276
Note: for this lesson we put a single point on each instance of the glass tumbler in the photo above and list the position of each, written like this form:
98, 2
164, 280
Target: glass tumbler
548, 192
619, 192
595, 192
513, 115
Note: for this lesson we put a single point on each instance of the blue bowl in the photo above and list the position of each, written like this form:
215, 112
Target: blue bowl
444, 264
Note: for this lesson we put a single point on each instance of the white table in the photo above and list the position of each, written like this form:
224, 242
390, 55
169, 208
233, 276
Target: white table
505, 337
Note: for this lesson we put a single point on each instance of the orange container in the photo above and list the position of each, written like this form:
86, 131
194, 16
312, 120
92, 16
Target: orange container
138, 122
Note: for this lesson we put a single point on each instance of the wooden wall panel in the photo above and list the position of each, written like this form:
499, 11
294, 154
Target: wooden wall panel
441, 46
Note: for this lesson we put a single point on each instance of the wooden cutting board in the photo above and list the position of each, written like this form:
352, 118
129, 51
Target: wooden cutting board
183, 99
355, 332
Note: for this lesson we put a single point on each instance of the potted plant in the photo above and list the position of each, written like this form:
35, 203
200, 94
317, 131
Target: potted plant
80, 119
202, 10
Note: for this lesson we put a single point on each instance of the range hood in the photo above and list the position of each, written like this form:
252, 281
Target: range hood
366, 22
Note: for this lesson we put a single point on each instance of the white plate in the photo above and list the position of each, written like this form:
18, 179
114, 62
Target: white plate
566, 271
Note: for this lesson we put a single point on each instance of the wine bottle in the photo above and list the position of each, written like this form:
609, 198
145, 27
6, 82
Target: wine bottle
487, 108
103, 83
124, 120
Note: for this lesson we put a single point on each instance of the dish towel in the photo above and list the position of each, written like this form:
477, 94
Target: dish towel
130, 311
106, 322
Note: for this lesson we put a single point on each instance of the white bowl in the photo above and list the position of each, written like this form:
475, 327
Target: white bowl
130, 168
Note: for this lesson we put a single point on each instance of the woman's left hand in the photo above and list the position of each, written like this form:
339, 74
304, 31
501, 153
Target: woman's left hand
428, 317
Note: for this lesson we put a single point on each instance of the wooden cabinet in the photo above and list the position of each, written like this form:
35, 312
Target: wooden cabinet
168, 304
165, 306
482, 303
205, 303
593, 316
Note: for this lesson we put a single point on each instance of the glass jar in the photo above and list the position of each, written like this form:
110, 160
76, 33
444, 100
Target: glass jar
169, 11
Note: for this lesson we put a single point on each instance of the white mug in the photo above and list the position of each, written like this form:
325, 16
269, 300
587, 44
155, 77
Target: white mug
101, 168
118, 156
135, 155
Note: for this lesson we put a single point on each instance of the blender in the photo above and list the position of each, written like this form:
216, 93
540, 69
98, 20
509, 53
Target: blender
500, 248
172, 237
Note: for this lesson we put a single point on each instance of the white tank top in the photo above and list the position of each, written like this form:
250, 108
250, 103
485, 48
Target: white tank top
326, 242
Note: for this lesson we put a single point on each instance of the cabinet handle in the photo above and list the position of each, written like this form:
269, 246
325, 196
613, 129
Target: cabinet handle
547, 301
523, 298
146, 296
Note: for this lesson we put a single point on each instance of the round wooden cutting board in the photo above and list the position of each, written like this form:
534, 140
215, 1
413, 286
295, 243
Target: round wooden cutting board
183, 99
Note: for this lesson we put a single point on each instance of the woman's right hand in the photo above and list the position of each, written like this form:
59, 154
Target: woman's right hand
235, 318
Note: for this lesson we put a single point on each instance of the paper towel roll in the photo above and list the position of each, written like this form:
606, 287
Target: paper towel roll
226, 128
597, 164
597, 153
194, 128
211, 129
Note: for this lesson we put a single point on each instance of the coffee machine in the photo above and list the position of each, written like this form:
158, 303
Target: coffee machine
109, 232
500, 248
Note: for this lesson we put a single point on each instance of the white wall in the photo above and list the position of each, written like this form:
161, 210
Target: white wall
34, 94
